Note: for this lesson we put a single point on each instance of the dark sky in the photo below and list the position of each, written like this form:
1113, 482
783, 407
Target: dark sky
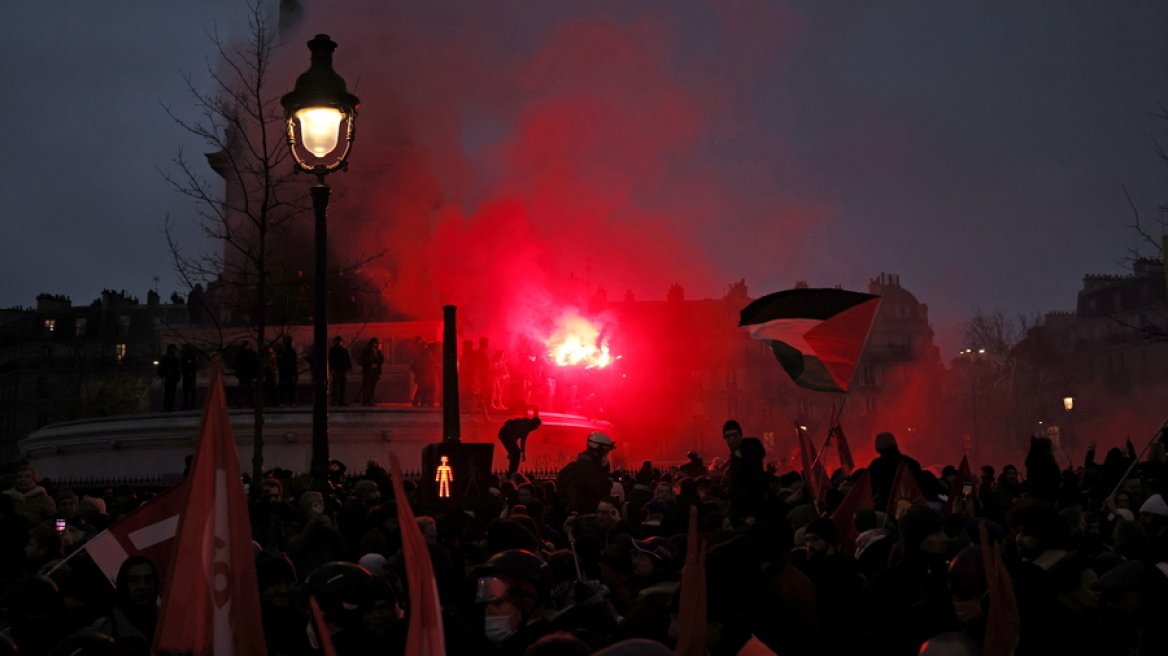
978, 150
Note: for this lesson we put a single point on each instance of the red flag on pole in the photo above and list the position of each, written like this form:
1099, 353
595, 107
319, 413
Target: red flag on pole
425, 637
211, 601
691, 614
847, 463
814, 476
963, 476
905, 492
860, 496
1002, 622
147, 531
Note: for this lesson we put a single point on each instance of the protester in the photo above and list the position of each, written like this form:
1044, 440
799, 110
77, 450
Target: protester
784, 577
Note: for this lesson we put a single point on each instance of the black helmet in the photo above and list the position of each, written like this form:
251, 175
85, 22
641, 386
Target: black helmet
343, 590
530, 574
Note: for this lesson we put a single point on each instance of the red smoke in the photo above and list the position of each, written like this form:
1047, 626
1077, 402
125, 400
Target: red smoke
514, 158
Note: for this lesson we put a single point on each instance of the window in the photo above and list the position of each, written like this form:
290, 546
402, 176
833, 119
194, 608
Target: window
50, 325
124, 324
120, 353
869, 373
80, 324
870, 405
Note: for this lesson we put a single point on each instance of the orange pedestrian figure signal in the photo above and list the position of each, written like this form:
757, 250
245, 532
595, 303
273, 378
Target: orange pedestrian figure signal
444, 477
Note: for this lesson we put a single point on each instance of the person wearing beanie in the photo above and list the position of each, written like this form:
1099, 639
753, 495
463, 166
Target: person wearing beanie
882, 470
909, 602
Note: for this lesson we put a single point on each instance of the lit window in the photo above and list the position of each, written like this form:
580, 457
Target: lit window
80, 324
120, 353
50, 324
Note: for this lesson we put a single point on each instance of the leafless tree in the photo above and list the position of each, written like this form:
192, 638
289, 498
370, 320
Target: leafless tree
254, 282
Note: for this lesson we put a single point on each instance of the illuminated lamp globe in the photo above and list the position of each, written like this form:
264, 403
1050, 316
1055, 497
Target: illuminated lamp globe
316, 109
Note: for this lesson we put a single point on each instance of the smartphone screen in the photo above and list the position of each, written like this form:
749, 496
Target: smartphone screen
60, 525
966, 489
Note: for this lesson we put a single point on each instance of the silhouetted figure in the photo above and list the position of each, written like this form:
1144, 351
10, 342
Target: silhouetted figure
429, 363
170, 371
499, 377
271, 372
340, 364
513, 436
189, 365
372, 360
288, 367
247, 369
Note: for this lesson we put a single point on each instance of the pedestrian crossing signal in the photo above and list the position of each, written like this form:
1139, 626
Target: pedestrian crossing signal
444, 476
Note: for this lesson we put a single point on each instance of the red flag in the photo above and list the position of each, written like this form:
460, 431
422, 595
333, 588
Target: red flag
904, 493
1002, 616
211, 600
147, 531
814, 476
321, 626
845, 452
425, 637
963, 476
860, 496
691, 614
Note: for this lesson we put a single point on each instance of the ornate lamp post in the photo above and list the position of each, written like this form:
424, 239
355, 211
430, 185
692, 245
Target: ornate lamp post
315, 111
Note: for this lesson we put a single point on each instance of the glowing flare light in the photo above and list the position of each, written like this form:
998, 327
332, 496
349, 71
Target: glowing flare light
577, 341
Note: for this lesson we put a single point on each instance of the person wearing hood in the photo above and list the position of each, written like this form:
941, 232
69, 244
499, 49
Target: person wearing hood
31, 500
909, 602
132, 619
882, 470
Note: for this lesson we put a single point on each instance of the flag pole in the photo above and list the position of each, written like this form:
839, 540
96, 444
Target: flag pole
1136, 461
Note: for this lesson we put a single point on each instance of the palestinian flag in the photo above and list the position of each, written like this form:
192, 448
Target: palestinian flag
817, 334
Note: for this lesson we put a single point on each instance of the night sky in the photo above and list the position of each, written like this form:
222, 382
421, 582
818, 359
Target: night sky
978, 150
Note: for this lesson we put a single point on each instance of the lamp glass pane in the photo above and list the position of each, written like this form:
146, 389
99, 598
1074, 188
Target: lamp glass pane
320, 128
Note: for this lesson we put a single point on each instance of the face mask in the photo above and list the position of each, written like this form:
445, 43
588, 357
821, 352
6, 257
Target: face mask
498, 628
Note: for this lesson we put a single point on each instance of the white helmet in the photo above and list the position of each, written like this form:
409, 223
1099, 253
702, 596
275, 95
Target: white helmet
600, 440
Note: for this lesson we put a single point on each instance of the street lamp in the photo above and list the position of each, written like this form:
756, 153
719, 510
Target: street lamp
314, 111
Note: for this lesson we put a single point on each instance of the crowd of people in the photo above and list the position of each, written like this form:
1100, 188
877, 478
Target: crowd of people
593, 560
490, 378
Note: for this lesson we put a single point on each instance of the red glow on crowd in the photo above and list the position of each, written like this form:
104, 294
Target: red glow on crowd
578, 341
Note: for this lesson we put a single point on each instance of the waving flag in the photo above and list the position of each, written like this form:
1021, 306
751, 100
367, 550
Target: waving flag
814, 475
211, 601
816, 334
425, 636
860, 496
691, 614
847, 463
147, 531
